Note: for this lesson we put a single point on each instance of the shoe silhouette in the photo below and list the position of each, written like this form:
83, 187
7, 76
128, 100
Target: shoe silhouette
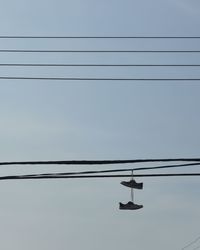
132, 184
129, 206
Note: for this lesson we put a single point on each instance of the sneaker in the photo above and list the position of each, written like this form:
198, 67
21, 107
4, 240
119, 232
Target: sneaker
129, 206
132, 184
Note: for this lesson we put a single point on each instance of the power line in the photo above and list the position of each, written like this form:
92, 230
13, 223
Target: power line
129, 169
84, 174
94, 79
99, 162
94, 65
166, 166
95, 51
57, 176
98, 37
121, 170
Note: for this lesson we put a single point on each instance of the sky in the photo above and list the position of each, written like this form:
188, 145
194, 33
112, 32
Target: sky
53, 120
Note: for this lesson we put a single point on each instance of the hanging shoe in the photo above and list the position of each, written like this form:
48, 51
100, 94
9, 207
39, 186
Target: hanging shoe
129, 206
132, 184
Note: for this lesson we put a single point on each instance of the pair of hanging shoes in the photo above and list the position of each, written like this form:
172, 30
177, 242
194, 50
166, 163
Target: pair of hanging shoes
129, 206
132, 184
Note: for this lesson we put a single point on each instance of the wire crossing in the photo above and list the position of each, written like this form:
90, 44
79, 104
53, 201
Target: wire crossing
129, 169
85, 173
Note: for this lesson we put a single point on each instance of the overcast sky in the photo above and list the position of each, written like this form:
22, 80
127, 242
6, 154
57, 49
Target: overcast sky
98, 120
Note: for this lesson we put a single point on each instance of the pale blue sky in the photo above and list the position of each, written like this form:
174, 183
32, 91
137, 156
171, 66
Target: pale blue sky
98, 120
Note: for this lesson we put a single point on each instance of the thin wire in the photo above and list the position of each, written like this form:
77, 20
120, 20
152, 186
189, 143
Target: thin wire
191, 243
132, 195
95, 65
99, 37
57, 176
96, 51
132, 191
94, 79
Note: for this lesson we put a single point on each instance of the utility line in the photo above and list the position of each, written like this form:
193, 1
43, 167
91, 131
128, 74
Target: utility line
94, 65
112, 171
127, 169
166, 166
99, 162
98, 37
94, 79
57, 176
95, 51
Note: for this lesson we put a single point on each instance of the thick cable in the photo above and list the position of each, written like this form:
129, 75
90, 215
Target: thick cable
56, 176
99, 162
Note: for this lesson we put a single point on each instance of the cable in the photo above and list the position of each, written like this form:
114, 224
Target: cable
99, 37
106, 171
81, 174
94, 79
96, 51
94, 65
125, 170
191, 243
166, 166
57, 176
98, 162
